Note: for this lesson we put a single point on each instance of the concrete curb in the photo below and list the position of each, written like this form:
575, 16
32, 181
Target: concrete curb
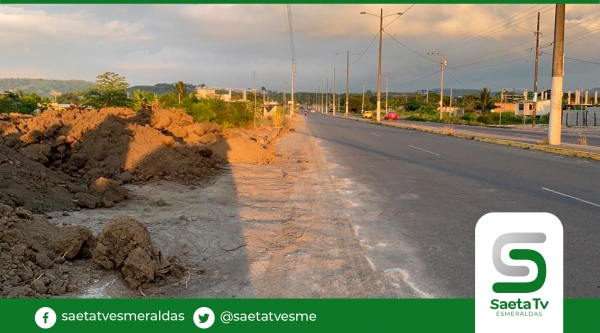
503, 142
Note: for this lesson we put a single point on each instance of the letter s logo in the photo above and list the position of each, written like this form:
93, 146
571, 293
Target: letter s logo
519, 254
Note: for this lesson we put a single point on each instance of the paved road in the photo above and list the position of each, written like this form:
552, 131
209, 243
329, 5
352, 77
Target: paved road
415, 199
592, 139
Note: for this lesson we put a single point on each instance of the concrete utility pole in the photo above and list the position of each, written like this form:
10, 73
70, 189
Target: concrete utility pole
347, 79
379, 66
558, 72
254, 83
442, 64
333, 92
535, 80
292, 87
386, 94
362, 108
327, 96
283, 86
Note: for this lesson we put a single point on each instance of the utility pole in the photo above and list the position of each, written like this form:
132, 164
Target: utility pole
327, 96
264, 102
347, 79
284, 96
442, 64
362, 108
379, 67
535, 79
292, 89
558, 72
333, 92
386, 94
254, 83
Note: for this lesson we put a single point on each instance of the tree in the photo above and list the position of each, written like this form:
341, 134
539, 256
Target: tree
485, 102
110, 91
180, 90
168, 100
142, 99
69, 98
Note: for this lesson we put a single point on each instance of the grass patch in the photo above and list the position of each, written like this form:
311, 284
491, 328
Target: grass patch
582, 139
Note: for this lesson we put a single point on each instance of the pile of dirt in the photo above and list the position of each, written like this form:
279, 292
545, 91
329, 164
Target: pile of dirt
40, 259
125, 244
30, 256
88, 144
52, 161
26, 183
250, 146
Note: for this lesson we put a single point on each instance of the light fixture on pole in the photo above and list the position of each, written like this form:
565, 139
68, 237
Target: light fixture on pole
379, 66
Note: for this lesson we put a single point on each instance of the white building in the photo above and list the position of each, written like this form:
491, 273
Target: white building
525, 108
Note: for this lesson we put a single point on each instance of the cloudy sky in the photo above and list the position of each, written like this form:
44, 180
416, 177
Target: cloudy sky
222, 45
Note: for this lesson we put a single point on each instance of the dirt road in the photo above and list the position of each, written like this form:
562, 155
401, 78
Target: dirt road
278, 230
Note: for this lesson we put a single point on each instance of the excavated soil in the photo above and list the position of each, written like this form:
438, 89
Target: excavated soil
63, 161
51, 162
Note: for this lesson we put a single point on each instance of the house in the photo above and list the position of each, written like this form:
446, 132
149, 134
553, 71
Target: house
525, 107
212, 93
505, 107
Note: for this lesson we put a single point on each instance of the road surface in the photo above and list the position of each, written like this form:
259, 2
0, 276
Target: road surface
415, 199
518, 134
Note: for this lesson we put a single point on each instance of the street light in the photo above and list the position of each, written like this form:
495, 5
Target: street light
379, 67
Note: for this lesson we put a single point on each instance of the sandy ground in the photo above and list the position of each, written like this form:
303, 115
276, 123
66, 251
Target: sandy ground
278, 230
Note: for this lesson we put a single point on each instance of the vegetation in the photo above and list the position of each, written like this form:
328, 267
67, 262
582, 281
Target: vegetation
22, 103
44, 88
110, 91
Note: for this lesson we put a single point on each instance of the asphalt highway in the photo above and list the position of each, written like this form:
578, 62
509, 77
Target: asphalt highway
415, 199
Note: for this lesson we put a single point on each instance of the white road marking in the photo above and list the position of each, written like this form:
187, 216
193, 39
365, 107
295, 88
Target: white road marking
375, 134
569, 196
427, 151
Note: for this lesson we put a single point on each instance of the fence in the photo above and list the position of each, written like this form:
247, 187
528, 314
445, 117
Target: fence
581, 118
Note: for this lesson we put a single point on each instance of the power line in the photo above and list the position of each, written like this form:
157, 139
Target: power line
497, 30
456, 80
486, 29
586, 61
377, 34
411, 50
419, 79
469, 76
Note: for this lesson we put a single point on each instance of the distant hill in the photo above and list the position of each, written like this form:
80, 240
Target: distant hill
44, 87
161, 88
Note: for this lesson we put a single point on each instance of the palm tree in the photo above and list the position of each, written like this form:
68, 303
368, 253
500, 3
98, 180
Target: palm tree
485, 101
181, 90
142, 99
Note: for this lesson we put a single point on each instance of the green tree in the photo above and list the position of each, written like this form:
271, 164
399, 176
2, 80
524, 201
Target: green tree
180, 90
110, 91
485, 102
168, 100
70, 98
142, 99
8, 105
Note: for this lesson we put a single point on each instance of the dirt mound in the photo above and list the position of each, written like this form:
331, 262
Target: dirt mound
31, 267
125, 244
26, 183
75, 242
52, 161
249, 146
89, 144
